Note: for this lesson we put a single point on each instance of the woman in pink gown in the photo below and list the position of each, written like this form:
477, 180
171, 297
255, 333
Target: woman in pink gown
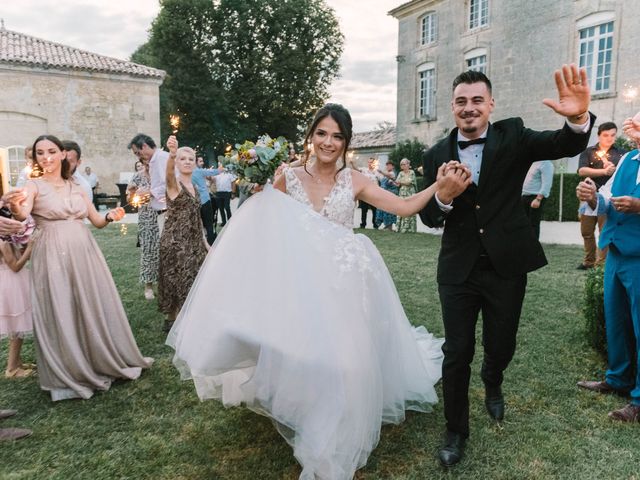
83, 337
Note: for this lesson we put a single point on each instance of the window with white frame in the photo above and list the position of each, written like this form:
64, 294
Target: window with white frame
428, 29
16, 163
476, 59
595, 55
479, 64
478, 13
427, 91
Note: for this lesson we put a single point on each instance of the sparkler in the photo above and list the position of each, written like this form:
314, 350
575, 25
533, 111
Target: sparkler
123, 229
137, 200
602, 155
174, 121
630, 93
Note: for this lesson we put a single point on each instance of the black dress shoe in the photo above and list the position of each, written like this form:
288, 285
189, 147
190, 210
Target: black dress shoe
453, 449
494, 401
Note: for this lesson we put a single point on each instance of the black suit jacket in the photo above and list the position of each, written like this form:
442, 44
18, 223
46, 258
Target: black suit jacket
490, 218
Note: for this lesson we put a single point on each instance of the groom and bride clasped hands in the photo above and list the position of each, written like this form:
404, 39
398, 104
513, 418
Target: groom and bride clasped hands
337, 357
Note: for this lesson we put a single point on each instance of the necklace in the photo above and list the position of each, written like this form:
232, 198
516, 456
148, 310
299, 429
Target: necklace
320, 181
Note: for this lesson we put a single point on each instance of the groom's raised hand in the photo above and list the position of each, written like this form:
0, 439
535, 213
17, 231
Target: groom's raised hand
453, 178
573, 94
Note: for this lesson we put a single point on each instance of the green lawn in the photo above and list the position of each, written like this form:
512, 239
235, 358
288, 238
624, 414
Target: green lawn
156, 428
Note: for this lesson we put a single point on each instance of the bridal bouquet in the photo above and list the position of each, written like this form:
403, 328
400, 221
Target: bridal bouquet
257, 162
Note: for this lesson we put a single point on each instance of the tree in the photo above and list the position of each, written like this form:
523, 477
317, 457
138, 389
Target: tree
239, 68
624, 144
411, 149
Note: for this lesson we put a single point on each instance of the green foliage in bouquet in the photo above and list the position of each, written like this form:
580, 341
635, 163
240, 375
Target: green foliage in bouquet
593, 309
257, 162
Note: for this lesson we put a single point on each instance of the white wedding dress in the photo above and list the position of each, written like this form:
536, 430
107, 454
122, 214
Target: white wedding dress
297, 317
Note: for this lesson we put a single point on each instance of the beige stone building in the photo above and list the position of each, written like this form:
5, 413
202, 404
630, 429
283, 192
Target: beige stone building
518, 44
99, 102
375, 143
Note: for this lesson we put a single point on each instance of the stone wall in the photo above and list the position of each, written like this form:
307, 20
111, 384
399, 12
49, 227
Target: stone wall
99, 111
525, 42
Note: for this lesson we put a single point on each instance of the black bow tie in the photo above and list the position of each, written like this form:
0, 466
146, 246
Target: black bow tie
465, 143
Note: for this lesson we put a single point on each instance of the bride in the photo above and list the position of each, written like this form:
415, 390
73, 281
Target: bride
305, 325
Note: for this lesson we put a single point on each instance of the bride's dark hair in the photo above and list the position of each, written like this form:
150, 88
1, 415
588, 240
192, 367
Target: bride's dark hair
342, 117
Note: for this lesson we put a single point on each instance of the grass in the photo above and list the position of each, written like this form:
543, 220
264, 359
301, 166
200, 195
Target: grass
155, 427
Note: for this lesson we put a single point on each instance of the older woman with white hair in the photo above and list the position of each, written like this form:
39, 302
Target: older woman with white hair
182, 245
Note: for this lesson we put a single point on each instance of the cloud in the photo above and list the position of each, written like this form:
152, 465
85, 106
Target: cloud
367, 85
368, 104
371, 71
116, 28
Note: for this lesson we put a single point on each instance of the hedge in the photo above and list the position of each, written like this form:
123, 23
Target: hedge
550, 213
569, 200
593, 309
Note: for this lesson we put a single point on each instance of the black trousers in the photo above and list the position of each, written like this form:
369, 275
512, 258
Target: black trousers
500, 301
223, 199
364, 208
206, 213
534, 214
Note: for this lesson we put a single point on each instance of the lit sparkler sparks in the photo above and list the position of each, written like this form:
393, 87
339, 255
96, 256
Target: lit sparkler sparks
123, 229
630, 93
174, 121
137, 200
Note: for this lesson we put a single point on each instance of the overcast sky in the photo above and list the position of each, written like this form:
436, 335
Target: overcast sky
116, 28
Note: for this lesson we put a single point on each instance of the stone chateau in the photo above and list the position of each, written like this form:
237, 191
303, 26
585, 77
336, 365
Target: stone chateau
518, 44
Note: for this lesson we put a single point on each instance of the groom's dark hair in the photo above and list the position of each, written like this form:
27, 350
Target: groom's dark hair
471, 76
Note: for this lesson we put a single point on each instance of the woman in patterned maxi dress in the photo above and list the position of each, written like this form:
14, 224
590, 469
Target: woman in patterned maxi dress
182, 245
148, 231
407, 181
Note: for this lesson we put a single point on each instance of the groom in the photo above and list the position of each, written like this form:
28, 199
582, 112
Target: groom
488, 245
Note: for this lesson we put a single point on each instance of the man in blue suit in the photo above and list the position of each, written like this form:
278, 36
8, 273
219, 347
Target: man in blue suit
619, 199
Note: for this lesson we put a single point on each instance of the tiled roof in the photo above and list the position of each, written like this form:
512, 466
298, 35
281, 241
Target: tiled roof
385, 137
20, 49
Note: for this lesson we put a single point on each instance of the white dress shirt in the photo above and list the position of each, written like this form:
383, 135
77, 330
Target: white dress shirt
80, 180
158, 175
92, 178
224, 181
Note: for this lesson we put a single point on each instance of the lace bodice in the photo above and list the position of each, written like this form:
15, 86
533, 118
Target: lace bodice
338, 206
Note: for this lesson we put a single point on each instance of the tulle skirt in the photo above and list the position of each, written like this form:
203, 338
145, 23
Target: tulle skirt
298, 319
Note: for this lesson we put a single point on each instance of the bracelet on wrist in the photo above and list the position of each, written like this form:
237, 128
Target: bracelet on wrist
107, 218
